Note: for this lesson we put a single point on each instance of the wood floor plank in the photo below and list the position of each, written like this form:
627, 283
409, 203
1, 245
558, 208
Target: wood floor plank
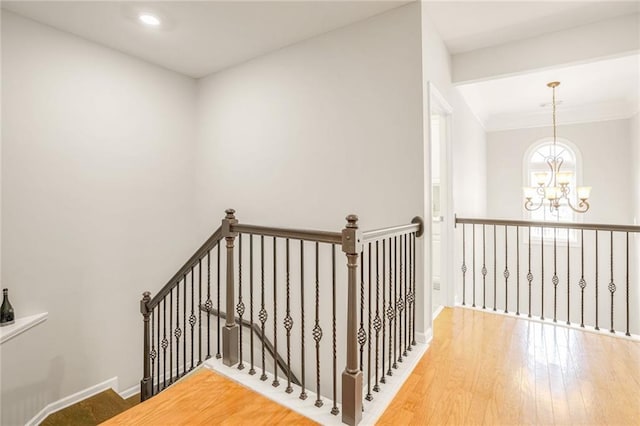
483, 368
207, 398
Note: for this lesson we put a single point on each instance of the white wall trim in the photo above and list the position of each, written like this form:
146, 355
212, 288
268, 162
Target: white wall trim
128, 393
65, 402
604, 331
438, 312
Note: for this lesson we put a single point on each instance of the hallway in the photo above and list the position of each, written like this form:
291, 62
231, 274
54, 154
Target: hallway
483, 368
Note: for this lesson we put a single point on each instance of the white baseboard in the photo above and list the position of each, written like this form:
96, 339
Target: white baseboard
437, 312
424, 337
128, 393
60, 404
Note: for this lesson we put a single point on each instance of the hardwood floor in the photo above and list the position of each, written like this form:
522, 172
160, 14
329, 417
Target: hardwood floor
490, 369
205, 398
480, 369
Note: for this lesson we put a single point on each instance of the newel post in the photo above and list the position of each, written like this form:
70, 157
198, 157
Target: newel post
352, 376
145, 383
230, 330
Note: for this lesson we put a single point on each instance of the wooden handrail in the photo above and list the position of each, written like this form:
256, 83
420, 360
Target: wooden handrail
297, 234
199, 254
378, 234
539, 224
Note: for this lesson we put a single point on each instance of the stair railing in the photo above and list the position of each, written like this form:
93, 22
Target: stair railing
394, 266
573, 273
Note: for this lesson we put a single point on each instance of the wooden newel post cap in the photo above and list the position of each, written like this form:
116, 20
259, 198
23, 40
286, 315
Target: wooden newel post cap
144, 308
352, 221
230, 214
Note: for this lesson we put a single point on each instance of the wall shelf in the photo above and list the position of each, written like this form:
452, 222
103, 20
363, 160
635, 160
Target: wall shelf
21, 325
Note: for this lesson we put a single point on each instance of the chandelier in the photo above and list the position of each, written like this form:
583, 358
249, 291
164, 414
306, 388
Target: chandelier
554, 185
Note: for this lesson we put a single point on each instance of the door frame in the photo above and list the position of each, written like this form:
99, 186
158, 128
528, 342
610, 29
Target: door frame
437, 104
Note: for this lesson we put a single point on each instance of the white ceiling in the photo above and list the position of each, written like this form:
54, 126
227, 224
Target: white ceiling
606, 89
200, 37
471, 25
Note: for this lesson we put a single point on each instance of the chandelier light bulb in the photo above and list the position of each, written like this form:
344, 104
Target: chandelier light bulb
584, 192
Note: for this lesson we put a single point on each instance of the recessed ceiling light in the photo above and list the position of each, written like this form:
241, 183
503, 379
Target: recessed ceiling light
148, 19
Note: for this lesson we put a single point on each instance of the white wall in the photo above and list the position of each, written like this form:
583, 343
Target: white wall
96, 207
605, 147
307, 134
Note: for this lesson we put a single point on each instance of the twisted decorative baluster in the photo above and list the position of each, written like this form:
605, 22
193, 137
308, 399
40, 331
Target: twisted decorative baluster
317, 331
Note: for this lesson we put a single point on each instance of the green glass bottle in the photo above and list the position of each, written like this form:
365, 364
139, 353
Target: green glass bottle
6, 310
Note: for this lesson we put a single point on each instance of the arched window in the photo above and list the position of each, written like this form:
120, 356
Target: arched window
535, 161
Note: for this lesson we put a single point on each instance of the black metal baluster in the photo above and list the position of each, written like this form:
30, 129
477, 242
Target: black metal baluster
170, 336
411, 296
596, 283
262, 315
361, 333
376, 320
495, 269
473, 263
596, 327
275, 382
413, 292
208, 304
506, 270
177, 332
542, 273
317, 330
555, 280
529, 274
484, 269
612, 286
184, 324
240, 306
334, 410
404, 298
390, 310
199, 311
464, 268
252, 370
395, 298
582, 283
517, 270
399, 301
288, 321
164, 343
384, 309
218, 356
159, 346
303, 393
627, 294
369, 397
192, 317
568, 278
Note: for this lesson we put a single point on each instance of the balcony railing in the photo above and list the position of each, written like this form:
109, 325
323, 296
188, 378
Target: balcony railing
541, 270
275, 276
